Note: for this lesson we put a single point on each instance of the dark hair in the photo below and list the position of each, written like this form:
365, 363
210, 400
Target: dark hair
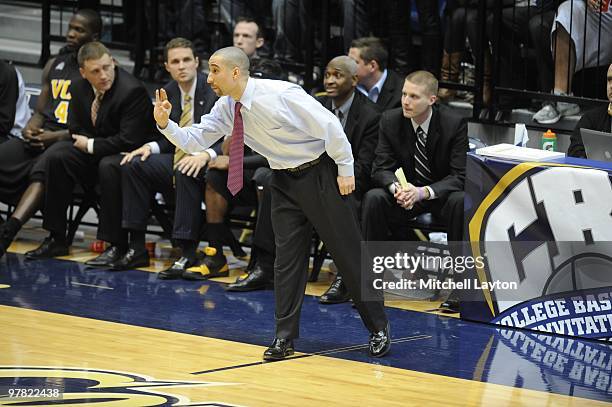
243, 19
91, 50
178, 42
266, 69
372, 49
93, 20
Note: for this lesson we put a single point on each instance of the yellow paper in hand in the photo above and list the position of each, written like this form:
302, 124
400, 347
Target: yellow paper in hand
401, 177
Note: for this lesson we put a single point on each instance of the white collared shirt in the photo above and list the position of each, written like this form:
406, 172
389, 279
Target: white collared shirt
281, 122
22, 109
374, 92
155, 146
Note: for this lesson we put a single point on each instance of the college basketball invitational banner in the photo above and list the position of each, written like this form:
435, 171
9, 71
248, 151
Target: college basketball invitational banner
544, 229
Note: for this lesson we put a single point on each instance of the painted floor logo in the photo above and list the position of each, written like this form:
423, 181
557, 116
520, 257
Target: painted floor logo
43, 385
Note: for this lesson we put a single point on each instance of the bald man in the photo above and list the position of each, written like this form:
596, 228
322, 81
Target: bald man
359, 118
313, 173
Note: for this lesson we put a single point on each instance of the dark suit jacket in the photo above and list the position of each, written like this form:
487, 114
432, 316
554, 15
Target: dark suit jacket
205, 99
391, 93
125, 118
362, 132
447, 146
594, 119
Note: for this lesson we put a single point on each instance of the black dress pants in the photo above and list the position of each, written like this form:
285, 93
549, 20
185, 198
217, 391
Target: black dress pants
65, 166
142, 179
263, 236
109, 225
381, 214
300, 201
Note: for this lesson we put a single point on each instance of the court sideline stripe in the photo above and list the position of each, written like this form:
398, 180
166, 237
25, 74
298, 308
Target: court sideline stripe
320, 353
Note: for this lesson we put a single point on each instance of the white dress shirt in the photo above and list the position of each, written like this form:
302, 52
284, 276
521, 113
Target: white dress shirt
155, 146
281, 122
22, 111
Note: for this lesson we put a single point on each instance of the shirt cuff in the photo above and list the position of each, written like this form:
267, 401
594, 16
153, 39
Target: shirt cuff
432, 195
154, 147
392, 188
169, 130
90, 145
346, 170
212, 153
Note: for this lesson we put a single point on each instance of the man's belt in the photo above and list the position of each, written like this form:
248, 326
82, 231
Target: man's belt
305, 165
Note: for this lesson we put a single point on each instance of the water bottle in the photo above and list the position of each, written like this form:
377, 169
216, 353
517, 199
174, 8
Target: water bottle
549, 141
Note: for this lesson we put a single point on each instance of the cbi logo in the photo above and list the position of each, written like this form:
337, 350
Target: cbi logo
80, 387
548, 229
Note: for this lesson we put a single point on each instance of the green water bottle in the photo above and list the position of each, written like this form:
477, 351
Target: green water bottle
549, 141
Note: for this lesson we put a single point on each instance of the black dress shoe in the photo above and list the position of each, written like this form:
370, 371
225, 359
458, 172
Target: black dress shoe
336, 293
107, 258
279, 350
380, 343
176, 270
131, 260
257, 279
48, 249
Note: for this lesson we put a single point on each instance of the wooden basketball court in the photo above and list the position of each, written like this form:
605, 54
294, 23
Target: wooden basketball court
108, 338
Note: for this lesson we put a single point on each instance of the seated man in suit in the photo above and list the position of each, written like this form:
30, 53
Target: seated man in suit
359, 118
381, 85
21, 170
158, 166
599, 118
429, 143
110, 113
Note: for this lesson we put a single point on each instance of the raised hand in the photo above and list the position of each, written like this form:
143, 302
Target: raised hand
161, 111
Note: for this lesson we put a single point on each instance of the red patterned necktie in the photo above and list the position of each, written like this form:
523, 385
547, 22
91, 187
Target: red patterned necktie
236, 153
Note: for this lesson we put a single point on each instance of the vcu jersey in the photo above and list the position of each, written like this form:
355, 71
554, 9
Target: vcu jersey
63, 71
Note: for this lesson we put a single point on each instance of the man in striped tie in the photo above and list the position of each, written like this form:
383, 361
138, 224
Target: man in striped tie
429, 142
158, 166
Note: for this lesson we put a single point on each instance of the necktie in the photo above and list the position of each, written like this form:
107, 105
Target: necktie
236, 153
95, 106
185, 120
421, 163
340, 115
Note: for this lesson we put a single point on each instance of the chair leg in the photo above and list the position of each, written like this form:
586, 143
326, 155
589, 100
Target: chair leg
75, 221
317, 262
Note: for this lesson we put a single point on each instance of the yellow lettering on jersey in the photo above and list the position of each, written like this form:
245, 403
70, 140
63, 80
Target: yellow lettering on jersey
61, 112
59, 88
65, 94
56, 87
